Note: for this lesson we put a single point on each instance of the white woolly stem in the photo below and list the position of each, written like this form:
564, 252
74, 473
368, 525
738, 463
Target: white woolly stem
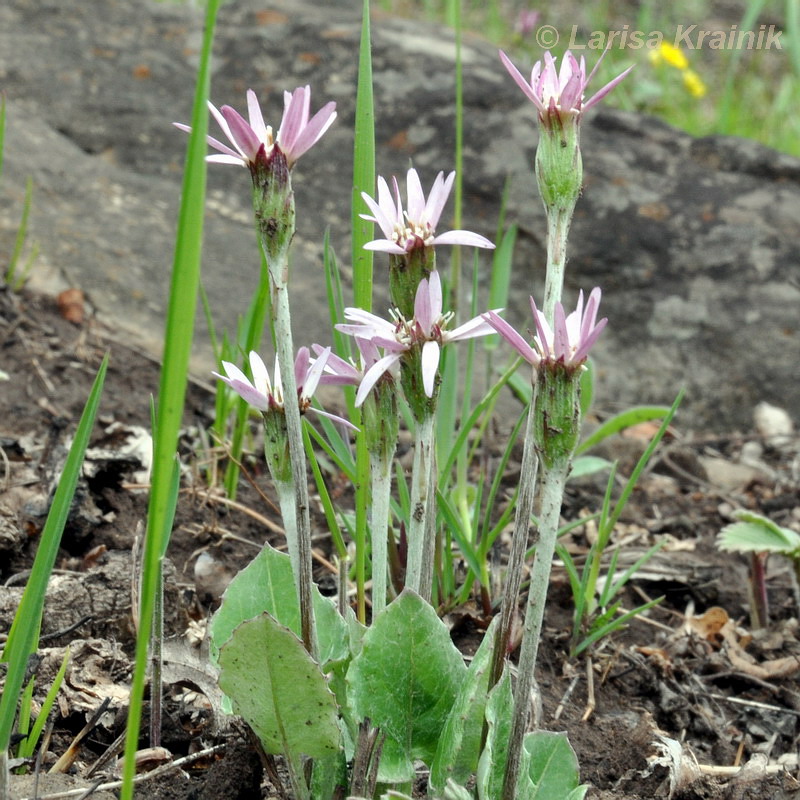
552, 494
519, 544
558, 222
381, 474
421, 506
285, 350
287, 503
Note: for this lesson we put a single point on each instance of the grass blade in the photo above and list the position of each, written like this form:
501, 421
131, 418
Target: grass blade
172, 388
24, 634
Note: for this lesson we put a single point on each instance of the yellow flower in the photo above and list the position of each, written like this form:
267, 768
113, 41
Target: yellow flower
672, 55
693, 83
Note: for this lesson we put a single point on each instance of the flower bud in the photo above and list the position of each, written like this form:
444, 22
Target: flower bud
273, 204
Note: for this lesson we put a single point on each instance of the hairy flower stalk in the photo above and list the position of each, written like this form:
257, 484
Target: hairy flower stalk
270, 160
552, 433
410, 233
380, 424
559, 99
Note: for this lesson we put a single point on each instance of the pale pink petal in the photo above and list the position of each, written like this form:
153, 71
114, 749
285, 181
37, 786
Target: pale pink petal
302, 362
314, 130
234, 373
256, 118
373, 375
606, 89
390, 345
561, 337
242, 135
422, 306
438, 197
238, 160
369, 352
385, 246
545, 335
430, 366
521, 82
435, 295
313, 374
250, 395
469, 330
367, 318
335, 418
588, 341
512, 337
292, 119
416, 197
260, 374
378, 215
467, 238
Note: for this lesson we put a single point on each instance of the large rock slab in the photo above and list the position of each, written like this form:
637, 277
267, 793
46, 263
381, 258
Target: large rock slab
694, 242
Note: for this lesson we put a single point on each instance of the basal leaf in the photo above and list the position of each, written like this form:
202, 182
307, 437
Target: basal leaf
459, 745
550, 763
492, 764
405, 680
279, 689
756, 534
267, 584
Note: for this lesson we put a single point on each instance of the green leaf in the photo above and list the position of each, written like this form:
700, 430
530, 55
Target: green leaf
551, 767
492, 764
267, 584
279, 689
405, 680
23, 637
625, 419
756, 534
460, 743
588, 465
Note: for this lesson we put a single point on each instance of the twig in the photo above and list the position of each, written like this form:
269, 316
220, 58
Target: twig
71, 753
591, 701
75, 625
156, 773
754, 704
566, 696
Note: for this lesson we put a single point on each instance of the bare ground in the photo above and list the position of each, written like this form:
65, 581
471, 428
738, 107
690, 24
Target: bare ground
690, 703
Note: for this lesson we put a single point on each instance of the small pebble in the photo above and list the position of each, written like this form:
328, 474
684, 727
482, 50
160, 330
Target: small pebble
774, 424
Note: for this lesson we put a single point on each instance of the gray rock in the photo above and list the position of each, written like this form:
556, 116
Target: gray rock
694, 242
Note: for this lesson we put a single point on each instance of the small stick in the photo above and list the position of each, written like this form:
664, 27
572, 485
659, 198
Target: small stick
591, 702
570, 689
156, 773
71, 753
754, 704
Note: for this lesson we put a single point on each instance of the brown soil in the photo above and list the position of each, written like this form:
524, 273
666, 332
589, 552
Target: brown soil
715, 695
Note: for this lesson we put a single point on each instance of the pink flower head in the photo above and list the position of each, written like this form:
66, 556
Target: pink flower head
296, 135
268, 396
426, 330
568, 344
559, 92
415, 226
526, 21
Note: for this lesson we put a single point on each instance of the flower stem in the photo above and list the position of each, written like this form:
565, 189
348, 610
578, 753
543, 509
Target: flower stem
421, 506
519, 545
285, 348
552, 484
381, 470
287, 503
558, 222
